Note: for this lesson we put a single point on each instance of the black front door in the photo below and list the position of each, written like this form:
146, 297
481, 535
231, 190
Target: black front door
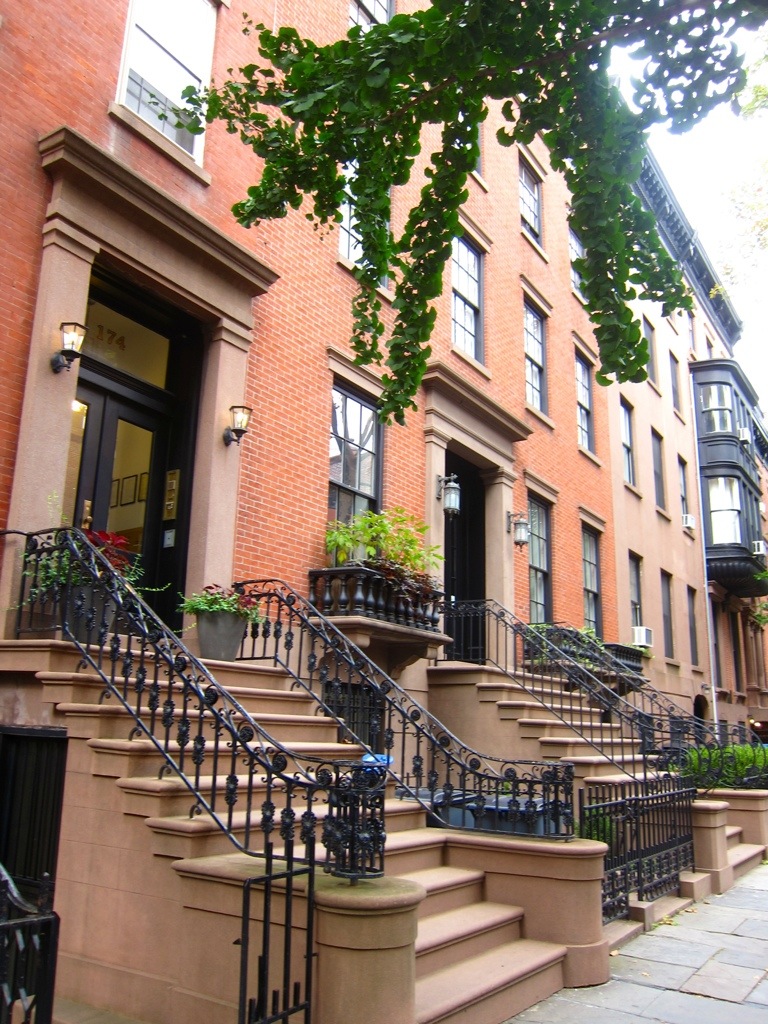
465, 562
132, 434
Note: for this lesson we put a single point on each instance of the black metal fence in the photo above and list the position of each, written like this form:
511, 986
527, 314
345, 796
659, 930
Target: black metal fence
29, 937
648, 829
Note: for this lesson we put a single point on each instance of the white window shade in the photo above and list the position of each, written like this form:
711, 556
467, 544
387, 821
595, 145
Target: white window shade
169, 47
725, 510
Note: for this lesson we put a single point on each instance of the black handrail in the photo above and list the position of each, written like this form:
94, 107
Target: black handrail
642, 731
458, 785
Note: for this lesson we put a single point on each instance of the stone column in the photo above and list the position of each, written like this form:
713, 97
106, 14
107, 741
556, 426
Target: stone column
366, 960
710, 843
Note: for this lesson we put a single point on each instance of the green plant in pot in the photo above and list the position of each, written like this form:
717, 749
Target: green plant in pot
223, 615
392, 544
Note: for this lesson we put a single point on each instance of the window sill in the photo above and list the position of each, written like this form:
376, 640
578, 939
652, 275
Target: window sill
540, 416
672, 662
634, 490
663, 513
655, 387
156, 139
480, 180
534, 244
385, 292
590, 455
474, 363
680, 416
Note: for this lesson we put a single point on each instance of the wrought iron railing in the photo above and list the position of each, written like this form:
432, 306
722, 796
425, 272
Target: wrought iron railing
29, 936
648, 829
642, 731
348, 590
456, 784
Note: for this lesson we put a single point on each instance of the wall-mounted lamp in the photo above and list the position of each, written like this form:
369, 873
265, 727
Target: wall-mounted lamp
448, 488
240, 415
72, 338
517, 522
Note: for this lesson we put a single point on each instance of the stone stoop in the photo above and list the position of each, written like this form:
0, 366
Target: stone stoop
742, 857
135, 861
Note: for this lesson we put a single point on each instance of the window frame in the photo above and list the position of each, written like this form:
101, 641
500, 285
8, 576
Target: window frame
628, 443
539, 569
635, 589
459, 295
591, 582
649, 333
367, 12
674, 373
576, 251
728, 511
530, 192
358, 498
535, 362
717, 408
682, 469
144, 35
667, 614
585, 426
659, 483
693, 634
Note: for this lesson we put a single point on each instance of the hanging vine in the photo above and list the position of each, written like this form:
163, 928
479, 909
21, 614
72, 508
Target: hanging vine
309, 111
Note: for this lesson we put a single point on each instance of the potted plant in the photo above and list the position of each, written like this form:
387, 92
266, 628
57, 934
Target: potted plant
223, 615
390, 546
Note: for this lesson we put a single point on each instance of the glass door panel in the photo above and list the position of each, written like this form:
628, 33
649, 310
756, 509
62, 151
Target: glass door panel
131, 465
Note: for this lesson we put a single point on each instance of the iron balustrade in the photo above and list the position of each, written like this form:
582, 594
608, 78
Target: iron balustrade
29, 937
647, 826
359, 590
457, 785
616, 710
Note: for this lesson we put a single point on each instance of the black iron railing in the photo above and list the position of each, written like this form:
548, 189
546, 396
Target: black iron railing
359, 590
635, 726
649, 832
29, 937
456, 784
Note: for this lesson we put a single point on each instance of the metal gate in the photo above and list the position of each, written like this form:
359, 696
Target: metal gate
648, 828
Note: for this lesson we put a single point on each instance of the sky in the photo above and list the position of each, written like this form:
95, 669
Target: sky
724, 156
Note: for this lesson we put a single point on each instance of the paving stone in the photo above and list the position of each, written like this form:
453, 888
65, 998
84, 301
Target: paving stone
723, 981
645, 972
615, 994
759, 994
757, 929
560, 1009
684, 1008
671, 951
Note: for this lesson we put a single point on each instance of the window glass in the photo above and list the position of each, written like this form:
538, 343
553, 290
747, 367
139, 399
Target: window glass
539, 561
674, 373
354, 450
635, 591
626, 442
666, 614
576, 252
533, 333
584, 404
650, 337
465, 278
129, 346
692, 632
169, 46
717, 405
368, 12
724, 509
657, 446
530, 201
591, 574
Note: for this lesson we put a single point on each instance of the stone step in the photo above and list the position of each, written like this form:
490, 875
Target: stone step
517, 710
66, 1011
454, 936
744, 857
492, 986
572, 746
447, 887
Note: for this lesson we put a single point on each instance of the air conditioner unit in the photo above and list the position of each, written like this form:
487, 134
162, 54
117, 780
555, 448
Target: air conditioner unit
758, 547
689, 521
744, 435
642, 636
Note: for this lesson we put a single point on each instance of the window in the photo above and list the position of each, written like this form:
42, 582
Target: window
591, 572
717, 405
693, 638
650, 339
584, 425
682, 469
368, 12
530, 201
657, 446
576, 252
354, 456
666, 614
168, 47
466, 309
674, 375
349, 237
691, 333
627, 444
635, 592
539, 561
724, 509
535, 381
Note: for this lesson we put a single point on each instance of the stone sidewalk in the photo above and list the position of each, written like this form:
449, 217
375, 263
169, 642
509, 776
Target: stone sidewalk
708, 965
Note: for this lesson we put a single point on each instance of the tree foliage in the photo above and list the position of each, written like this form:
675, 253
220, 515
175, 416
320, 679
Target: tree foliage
310, 111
